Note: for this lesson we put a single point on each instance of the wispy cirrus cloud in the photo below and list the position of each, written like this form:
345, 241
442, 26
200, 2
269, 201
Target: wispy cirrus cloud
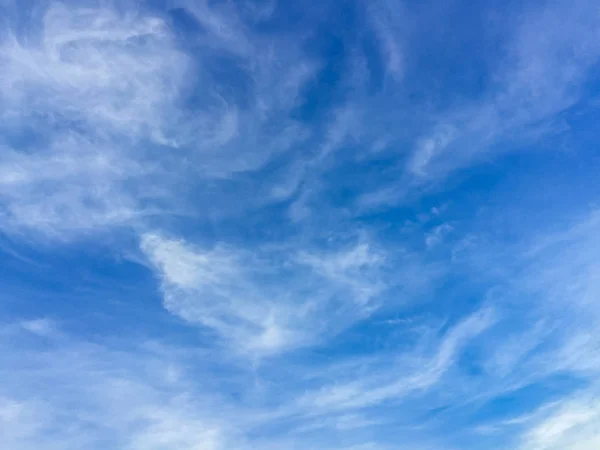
88, 386
100, 95
570, 423
544, 74
95, 67
255, 238
80, 88
387, 385
267, 301
537, 78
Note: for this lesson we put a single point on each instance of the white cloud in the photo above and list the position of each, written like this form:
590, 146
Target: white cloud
389, 24
86, 85
72, 186
97, 97
553, 48
408, 374
96, 134
82, 395
437, 234
20, 423
42, 327
266, 302
572, 424
545, 290
356, 268
113, 71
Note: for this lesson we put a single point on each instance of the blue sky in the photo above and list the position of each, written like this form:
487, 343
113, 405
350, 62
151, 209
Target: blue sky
336, 225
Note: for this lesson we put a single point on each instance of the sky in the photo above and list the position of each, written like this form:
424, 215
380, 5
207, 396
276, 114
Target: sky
298, 225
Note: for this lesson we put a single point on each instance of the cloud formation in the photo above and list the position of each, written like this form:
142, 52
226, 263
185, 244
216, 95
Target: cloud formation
266, 302
262, 224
